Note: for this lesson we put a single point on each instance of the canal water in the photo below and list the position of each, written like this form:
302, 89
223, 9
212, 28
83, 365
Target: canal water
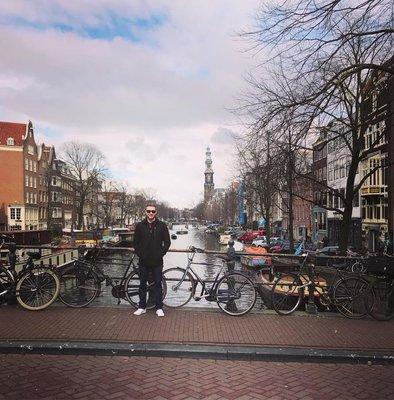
194, 237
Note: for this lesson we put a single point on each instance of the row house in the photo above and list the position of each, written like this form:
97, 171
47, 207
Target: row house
302, 210
56, 191
45, 159
19, 177
376, 116
373, 206
36, 189
67, 193
338, 161
319, 173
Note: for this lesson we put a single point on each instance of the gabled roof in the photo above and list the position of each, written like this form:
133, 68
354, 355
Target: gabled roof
46, 153
12, 130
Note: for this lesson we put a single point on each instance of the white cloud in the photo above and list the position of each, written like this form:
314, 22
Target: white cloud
151, 106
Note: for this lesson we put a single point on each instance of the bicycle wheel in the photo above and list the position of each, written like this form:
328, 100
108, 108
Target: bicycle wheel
287, 294
6, 286
349, 296
380, 302
79, 286
235, 294
37, 288
179, 290
132, 285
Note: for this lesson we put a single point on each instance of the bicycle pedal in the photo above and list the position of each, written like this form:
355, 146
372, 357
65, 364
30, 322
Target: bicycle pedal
197, 298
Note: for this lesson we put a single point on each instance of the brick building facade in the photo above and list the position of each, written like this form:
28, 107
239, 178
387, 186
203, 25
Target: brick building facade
19, 177
36, 189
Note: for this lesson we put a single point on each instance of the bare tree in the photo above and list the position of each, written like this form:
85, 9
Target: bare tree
259, 170
322, 85
198, 211
86, 163
108, 202
305, 30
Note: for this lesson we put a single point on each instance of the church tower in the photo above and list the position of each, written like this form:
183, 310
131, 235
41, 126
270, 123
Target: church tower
208, 184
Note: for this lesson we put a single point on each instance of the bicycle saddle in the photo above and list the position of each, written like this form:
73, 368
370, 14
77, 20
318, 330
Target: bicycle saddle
33, 255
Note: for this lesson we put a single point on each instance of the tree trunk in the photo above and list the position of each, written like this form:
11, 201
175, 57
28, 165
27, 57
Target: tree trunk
80, 220
345, 229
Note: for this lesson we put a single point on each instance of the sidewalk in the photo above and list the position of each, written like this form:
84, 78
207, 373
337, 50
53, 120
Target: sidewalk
195, 333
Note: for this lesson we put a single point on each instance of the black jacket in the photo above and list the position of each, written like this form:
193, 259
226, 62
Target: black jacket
151, 242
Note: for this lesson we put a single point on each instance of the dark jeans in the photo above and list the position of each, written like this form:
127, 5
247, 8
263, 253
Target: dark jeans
157, 276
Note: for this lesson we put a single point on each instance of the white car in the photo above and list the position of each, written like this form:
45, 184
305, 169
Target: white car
261, 242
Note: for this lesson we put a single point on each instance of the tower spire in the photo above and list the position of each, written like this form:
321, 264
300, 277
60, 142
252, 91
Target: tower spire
208, 184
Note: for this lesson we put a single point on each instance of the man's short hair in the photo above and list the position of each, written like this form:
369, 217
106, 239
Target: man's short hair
150, 204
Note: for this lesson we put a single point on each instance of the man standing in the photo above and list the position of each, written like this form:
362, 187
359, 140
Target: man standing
151, 243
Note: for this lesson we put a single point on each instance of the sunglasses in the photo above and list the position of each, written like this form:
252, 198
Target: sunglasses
151, 211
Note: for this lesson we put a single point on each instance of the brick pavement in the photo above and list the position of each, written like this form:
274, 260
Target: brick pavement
195, 326
89, 377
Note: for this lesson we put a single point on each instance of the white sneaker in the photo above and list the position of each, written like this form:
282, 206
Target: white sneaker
160, 312
140, 311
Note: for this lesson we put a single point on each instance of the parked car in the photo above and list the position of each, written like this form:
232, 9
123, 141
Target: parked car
329, 250
260, 242
247, 237
274, 240
281, 246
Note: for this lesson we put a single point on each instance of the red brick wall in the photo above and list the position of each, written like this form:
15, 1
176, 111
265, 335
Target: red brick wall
11, 180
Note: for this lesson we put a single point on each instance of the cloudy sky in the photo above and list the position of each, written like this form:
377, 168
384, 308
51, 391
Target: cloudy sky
148, 82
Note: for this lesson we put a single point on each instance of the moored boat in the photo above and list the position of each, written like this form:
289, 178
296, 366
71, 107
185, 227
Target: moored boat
255, 257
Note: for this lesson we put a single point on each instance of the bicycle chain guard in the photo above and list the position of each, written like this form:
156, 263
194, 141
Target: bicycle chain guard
118, 292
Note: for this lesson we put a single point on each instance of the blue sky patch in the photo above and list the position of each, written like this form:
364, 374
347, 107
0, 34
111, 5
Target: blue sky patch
110, 26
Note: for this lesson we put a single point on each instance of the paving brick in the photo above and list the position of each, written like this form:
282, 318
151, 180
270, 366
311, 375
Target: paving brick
185, 326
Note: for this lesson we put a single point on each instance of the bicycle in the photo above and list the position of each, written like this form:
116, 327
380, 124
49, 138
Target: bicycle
233, 292
380, 302
346, 294
80, 283
35, 287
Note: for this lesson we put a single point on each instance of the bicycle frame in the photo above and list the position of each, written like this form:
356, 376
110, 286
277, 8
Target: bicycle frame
92, 265
198, 279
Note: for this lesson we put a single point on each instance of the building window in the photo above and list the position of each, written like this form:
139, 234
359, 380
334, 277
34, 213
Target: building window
15, 213
56, 197
56, 212
30, 149
35, 182
26, 164
35, 166
26, 181
30, 165
56, 181
10, 141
